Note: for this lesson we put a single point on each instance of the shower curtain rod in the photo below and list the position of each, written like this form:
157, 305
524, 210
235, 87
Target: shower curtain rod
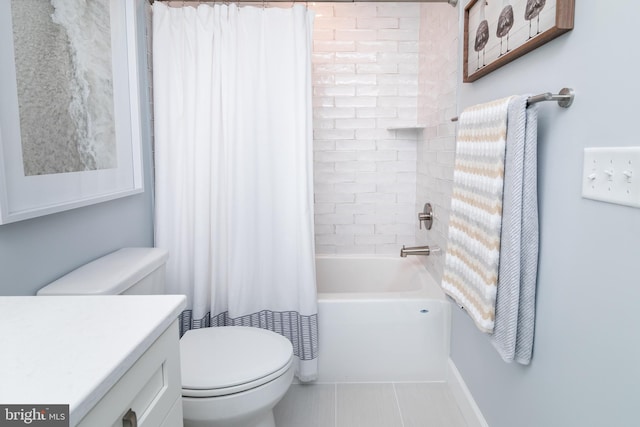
451, 2
564, 98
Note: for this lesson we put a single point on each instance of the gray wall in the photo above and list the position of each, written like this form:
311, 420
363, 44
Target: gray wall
37, 251
585, 370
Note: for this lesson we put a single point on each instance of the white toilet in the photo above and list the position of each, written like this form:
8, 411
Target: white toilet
231, 376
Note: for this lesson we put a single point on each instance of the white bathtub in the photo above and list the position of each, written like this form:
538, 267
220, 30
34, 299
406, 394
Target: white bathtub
381, 319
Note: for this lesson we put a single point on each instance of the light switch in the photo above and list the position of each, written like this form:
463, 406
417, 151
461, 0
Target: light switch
612, 175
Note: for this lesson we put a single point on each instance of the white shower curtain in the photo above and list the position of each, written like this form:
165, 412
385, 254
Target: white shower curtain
233, 158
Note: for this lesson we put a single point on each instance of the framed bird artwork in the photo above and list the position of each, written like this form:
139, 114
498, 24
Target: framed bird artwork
498, 31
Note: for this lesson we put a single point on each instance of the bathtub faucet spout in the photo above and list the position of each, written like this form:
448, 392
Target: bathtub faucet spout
418, 250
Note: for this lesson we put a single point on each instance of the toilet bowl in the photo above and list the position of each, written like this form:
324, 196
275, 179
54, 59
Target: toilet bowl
232, 376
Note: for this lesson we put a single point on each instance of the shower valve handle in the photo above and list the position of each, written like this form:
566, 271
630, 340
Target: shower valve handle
426, 216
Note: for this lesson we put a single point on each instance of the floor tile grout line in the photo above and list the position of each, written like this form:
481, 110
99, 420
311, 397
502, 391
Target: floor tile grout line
335, 405
395, 394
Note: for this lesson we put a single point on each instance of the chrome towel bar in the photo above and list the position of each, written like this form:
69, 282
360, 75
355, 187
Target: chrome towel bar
564, 98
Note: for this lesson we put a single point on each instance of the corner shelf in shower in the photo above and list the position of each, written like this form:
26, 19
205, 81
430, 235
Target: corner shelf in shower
410, 127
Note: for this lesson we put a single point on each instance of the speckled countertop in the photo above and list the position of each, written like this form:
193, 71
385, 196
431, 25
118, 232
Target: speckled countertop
73, 349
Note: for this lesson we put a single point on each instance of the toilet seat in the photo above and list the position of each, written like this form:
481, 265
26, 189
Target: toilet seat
220, 361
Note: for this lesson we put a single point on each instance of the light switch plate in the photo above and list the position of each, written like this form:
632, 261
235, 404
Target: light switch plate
612, 174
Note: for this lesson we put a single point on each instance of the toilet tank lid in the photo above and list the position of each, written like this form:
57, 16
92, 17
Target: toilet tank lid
111, 274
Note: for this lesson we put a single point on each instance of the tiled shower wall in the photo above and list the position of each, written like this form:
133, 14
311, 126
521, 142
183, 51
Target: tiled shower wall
436, 106
365, 81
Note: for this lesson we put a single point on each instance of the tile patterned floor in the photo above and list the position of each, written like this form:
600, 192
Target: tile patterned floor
369, 405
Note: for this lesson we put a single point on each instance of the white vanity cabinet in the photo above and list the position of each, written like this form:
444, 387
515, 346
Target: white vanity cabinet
107, 357
149, 392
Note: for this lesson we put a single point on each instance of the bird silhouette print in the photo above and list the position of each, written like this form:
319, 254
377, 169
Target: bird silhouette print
505, 22
533, 9
482, 35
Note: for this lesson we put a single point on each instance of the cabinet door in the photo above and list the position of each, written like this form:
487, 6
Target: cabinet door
150, 389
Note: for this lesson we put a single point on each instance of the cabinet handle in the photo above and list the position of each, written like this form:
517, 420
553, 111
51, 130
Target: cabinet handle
130, 419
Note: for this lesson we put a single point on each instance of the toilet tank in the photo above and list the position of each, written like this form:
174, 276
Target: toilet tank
128, 271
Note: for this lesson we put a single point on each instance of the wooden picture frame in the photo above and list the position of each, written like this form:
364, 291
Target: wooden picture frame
26, 194
497, 32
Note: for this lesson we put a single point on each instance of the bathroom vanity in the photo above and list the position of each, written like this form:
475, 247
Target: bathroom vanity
112, 359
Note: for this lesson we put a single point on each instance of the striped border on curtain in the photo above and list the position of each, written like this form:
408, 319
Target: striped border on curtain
301, 330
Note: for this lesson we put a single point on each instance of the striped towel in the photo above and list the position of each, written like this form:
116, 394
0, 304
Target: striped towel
473, 251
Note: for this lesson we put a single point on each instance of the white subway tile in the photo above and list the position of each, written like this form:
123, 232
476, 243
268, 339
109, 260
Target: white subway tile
355, 229
376, 177
355, 123
373, 134
354, 9
334, 22
334, 46
334, 68
334, 134
404, 229
354, 208
397, 166
375, 198
397, 58
373, 113
355, 79
334, 219
323, 80
322, 34
400, 35
399, 79
396, 144
388, 249
354, 188
321, 188
408, 23
375, 239
377, 90
325, 249
356, 35
375, 219
334, 113
377, 23
323, 101
324, 167
377, 156
396, 101
323, 57
324, 208
356, 101
334, 91
406, 198
357, 166
321, 10
324, 228
377, 46
355, 144
333, 177
335, 198
334, 239
396, 188
410, 47
379, 68
334, 156
323, 123
355, 57
398, 9
407, 155
408, 90
323, 145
